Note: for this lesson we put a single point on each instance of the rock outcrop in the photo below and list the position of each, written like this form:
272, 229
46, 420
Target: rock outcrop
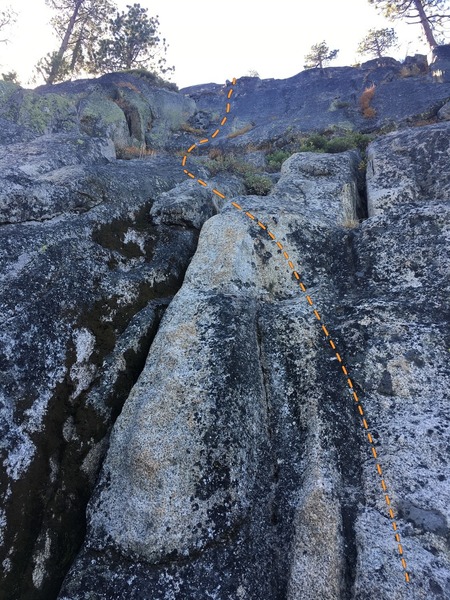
321, 99
239, 466
161, 362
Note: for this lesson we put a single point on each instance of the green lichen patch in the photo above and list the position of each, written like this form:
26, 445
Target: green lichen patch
47, 113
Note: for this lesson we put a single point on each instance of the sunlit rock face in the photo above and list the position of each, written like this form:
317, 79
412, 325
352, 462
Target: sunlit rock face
175, 421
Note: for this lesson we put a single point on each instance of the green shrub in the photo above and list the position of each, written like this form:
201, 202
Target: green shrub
227, 162
318, 142
254, 182
277, 158
151, 78
350, 141
257, 184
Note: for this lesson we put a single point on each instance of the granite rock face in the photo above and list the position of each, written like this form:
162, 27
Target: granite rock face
127, 109
240, 466
321, 99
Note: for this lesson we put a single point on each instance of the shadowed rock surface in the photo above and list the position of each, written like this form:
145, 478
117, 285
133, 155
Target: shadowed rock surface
238, 466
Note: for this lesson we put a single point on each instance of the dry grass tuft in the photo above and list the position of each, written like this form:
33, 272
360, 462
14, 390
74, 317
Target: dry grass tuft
131, 152
410, 71
128, 85
239, 132
215, 153
365, 100
349, 223
189, 129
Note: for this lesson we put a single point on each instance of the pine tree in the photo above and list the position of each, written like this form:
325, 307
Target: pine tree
7, 18
79, 24
132, 40
432, 15
319, 55
377, 41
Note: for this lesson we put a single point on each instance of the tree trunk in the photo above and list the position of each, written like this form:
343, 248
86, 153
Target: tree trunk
425, 24
378, 49
64, 44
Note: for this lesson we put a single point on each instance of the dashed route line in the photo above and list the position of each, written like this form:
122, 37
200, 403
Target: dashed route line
328, 337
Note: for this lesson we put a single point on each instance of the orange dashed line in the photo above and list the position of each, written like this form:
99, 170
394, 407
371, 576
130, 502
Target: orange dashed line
317, 315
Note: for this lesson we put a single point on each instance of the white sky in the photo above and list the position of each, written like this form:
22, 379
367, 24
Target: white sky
215, 40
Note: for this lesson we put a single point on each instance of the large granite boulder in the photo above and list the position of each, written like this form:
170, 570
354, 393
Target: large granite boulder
130, 110
50, 175
241, 465
402, 168
440, 64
